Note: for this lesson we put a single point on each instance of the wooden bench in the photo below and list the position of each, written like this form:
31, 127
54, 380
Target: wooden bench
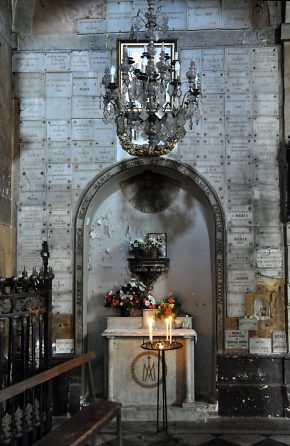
82, 427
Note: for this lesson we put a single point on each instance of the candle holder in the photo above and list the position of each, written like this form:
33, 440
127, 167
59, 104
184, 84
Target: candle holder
161, 346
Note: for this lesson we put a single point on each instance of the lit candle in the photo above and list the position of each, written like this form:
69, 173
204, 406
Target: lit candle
166, 322
150, 328
113, 71
170, 329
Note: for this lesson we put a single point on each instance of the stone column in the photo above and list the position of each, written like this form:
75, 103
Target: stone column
111, 368
189, 369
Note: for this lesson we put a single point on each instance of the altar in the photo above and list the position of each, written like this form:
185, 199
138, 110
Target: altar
132, 372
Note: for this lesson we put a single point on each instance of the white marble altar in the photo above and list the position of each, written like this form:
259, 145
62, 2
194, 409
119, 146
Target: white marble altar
132, 371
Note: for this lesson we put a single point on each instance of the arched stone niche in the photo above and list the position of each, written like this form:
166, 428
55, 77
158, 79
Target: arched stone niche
218, 253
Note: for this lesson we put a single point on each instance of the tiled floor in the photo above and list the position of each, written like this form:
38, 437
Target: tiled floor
217, 432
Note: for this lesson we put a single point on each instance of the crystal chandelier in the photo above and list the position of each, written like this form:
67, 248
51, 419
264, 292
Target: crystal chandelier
151, 106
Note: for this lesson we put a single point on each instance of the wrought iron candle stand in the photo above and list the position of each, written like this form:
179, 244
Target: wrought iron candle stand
161, 346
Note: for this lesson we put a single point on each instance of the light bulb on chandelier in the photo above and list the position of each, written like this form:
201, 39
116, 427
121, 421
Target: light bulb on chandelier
149, 107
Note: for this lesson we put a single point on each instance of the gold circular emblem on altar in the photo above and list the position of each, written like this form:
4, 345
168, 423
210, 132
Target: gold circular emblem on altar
144, 370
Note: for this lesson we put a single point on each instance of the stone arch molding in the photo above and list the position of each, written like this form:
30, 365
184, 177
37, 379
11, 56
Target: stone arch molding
219, 242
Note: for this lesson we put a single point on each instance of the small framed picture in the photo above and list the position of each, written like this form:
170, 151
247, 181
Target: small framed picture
161, 241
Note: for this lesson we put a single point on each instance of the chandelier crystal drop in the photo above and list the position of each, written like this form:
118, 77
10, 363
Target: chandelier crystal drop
151, 106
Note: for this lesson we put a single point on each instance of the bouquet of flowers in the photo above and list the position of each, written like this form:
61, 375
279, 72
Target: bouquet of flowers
149, 302
134, 294
168, 307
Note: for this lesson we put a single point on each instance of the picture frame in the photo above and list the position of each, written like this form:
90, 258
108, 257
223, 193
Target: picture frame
162, 237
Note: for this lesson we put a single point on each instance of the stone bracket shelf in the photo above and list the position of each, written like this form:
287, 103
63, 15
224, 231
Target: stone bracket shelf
148, 269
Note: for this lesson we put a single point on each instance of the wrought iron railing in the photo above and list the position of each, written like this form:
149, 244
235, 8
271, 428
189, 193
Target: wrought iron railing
25, 350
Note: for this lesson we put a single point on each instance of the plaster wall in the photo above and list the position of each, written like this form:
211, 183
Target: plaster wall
64, 145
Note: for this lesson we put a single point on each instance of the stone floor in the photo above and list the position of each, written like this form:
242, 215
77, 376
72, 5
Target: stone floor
217, 431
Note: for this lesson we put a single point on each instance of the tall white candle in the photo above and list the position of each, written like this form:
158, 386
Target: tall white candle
166, 322
150, 329
113, 72
170, 329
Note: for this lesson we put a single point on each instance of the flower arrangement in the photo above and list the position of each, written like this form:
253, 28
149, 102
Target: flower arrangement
134, 294
167, 307
150, 248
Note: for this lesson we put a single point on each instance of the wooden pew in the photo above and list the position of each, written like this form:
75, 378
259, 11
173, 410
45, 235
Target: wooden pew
82, 427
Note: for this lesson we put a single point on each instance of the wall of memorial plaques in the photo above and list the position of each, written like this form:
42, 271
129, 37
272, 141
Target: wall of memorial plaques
64, 144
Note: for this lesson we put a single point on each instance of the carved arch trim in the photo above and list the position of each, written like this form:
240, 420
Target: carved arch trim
219, 242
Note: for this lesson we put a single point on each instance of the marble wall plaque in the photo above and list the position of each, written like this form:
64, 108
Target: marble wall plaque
235, 305
213, 104
105, 134
100, 60
265, 150
60, 238
264, 59
85, 85
186, 56
213, 82
241, 281
266, 173
265, 82
31, 218
57, 61
235, 15
32, 153
59, 169
119, 19
58, 84
58, 130
59, 198
279, 341
59, 218
213, 127
265, 104
238, 149
83, 129
240, 259
28, 260
268, 236
212, 148
237, 59
238, 194
82, 179
64, 346
87, 107
262, 346
32, 198
265, 214
237, 82
241, 237
176, 12
240, 215
203, 14
57, 180
236, 340
23, 61
29, 85
62, 283
58, 108
213, 173
239, 172
107, 155
248, 324
238, 104
212, 59
189, 148
269, 258
267, 192
32, 109
80, 61
90, 26
32, 178
32, 131
59, 152
61, 260
238, 127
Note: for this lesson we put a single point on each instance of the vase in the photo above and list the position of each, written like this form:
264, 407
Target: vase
125, 311
147, 314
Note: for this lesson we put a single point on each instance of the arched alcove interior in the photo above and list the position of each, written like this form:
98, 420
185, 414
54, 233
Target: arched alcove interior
111, 220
